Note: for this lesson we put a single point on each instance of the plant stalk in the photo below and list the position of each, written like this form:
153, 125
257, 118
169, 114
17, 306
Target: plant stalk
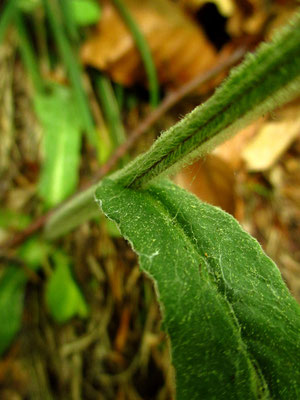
261, 83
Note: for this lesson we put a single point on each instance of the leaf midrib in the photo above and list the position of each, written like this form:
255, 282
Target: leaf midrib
177, 224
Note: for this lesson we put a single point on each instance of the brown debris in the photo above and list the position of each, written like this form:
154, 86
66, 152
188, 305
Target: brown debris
179, 46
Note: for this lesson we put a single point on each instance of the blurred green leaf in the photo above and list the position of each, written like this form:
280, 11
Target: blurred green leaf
28, 5
62, 124
86, 12
63, 297
13, 219
106, 146
12, 288
33, 252
110, 109
73, 67
112, 229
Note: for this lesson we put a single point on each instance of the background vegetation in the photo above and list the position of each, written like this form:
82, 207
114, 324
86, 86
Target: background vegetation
84, 87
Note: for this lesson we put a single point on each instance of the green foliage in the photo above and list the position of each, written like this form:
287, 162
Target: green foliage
12, 288
12, 219
73, 68
63, 296
262, 82
28, 5
233, 325
110, 109
61, 144
112, 229
34, 252
7, 14
232, 322
86, 12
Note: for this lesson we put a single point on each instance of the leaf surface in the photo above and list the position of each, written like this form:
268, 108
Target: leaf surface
233, 325
12, 288
63, 297
62, 124
86, 12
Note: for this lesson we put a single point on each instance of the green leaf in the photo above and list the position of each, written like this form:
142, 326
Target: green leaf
61, 122
112, 229
86, 12
10, 219
12, 288
233, 325
29, 6
63, 297
33, 252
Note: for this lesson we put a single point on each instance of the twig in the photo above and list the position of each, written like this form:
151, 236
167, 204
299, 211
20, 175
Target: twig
169, 101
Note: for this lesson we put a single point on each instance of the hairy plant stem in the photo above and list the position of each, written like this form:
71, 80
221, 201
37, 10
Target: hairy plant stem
261, 83
81, 208
54, 222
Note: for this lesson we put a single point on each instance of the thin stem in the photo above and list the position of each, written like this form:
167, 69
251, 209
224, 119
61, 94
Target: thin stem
111, 109
170, 100
74, 71
75, 212
7, 15
67, 12
28, 54
144, 50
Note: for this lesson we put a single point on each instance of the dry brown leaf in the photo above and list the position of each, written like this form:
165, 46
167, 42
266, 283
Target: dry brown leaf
226, 7
248, 18
231, 150
273, 139
179, 46
255, 16
212, 180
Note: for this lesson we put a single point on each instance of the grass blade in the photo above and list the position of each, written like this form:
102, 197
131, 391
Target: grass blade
111, 109
144, 50
74, 71
28, 54
7, 16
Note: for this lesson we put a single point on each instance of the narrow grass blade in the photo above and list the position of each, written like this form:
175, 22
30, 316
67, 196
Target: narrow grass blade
144, 50
111, 109
7, 15
69, 19
28, 54
74, 71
